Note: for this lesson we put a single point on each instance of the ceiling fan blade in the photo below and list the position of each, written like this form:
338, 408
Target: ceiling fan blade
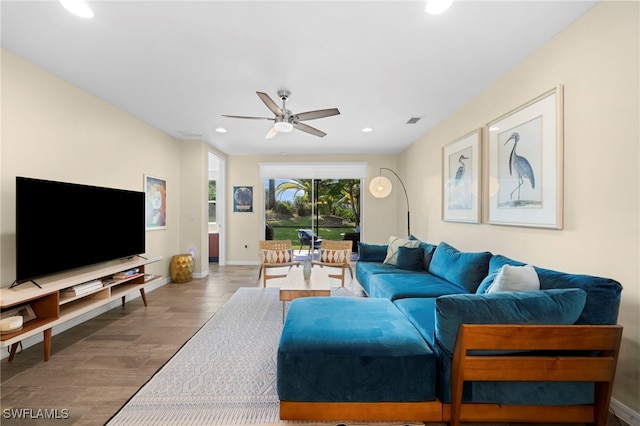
270, 104
312, 115
271, 133
309, 129
248, 118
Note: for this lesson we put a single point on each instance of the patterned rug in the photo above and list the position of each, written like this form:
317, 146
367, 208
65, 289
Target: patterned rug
224, 375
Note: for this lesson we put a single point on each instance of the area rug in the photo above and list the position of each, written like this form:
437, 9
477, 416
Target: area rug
224, 375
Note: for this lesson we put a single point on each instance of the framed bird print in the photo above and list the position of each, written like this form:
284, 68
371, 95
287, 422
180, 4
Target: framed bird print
461, 162
524, 181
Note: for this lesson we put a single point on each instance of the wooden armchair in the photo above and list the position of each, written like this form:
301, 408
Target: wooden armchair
275, 254
579, 365
335, 254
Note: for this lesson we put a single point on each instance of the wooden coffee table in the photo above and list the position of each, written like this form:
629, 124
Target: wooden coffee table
294, 286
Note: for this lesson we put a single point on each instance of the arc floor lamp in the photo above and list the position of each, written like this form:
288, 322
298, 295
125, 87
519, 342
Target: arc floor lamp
380, 187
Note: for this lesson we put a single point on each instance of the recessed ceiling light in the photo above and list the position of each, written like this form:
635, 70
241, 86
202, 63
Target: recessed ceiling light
435, 7
221, 130
78, 8
367, 130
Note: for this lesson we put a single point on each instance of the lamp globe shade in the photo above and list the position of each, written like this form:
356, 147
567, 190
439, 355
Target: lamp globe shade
380, 187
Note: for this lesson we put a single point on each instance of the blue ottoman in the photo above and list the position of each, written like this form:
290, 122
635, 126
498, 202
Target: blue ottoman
350, 349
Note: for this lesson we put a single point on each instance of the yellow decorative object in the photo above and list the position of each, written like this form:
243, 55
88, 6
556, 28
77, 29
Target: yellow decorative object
182, 268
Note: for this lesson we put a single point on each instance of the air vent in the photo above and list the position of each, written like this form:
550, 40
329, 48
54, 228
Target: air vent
189, 133
414, 120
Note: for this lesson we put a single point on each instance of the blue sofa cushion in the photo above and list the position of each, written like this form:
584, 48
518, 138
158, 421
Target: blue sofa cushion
464, 269
366, 270
371, 252
428, 252
529, 307
351, 349
603, 294
410, 258
400, 286
420, 311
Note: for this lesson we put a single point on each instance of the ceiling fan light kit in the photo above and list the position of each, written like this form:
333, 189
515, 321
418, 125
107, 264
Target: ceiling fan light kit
284, 120
283, 126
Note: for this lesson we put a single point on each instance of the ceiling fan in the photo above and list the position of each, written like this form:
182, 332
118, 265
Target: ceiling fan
285, 120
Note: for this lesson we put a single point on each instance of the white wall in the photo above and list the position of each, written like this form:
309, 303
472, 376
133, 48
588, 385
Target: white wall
53, 130
597, 61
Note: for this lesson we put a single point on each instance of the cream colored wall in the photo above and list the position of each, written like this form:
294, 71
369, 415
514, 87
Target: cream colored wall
193, 207
378, 216
53, 130
597, 61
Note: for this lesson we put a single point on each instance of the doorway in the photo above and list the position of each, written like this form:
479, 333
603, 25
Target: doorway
215, 221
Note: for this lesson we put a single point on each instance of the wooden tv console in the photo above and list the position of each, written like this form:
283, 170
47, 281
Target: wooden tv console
52, 305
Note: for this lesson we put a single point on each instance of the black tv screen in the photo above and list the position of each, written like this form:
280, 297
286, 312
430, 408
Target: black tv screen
61, 226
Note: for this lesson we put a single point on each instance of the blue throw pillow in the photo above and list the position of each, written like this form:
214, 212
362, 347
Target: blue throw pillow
466, 270
526, 307
410, 258
371, 252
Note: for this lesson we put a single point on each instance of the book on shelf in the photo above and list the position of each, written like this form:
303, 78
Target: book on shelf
83, 288
126, 274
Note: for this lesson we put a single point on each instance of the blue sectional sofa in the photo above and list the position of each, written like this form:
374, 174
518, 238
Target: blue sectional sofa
396, 355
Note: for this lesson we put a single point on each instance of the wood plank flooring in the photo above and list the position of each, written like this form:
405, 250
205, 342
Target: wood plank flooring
95, 367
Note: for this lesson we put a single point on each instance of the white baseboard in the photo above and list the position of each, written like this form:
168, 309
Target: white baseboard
200, 274
34, 340
624, 413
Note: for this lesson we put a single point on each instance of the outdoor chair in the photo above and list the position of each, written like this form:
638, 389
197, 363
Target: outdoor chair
307, 238
335, 254
275, 254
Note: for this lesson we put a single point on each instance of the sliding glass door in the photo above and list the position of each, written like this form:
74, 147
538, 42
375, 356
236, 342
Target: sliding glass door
315, 200
329, 208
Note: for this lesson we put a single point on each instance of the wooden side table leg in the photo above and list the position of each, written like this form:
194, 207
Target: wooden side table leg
47, 344
144, 297
12, 351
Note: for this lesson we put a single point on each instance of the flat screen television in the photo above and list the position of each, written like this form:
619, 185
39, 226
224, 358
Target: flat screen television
62, 226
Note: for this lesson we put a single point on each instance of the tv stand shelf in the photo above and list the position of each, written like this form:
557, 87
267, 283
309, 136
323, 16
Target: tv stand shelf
52, 306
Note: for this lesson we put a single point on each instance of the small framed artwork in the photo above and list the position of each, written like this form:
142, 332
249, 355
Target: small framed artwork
155, 190
243, 199
461, 179
26, 311
525, 164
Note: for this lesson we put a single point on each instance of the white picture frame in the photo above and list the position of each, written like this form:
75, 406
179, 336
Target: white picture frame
524, 179
461, 179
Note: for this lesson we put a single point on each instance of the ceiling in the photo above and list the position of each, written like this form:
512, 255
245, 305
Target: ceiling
180, 65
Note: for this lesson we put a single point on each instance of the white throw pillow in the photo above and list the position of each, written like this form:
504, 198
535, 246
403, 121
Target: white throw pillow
392, 249
515, 278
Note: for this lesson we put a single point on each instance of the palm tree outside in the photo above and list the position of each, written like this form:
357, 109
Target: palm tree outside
336, 207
